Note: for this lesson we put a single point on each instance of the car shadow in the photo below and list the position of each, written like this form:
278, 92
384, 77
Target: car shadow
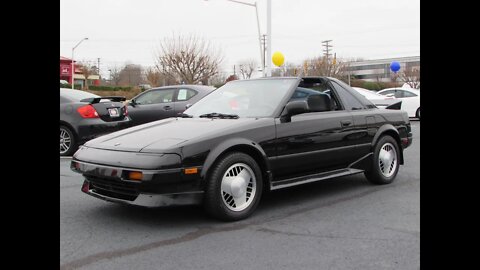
275, 203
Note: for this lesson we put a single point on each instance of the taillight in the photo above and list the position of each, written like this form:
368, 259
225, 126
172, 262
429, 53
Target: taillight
87, 111
126, 111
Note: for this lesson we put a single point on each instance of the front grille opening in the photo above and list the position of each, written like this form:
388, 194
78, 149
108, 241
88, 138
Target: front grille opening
114, 188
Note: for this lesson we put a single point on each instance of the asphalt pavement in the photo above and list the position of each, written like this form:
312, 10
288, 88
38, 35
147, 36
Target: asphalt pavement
343, 223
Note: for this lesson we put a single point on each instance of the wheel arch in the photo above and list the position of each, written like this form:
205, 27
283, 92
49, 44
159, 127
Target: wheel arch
238, 145
63, 123
390, 130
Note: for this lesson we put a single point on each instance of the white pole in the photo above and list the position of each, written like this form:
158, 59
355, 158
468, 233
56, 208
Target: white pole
73, 65
269, 36
73, 69
260, 42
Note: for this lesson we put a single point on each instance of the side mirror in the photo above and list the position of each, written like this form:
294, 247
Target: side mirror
188, 106
295, 107
133, 102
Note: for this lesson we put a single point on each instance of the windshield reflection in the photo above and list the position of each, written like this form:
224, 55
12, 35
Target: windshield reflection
249, 98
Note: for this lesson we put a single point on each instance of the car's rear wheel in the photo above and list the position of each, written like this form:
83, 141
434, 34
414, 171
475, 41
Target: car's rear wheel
68, 144
234, 187
417, 113
386, 157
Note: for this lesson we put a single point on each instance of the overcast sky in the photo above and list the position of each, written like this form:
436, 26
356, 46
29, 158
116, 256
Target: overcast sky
121, 31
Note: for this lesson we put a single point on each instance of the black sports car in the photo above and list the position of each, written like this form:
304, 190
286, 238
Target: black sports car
84, 116
164, 102
245, 138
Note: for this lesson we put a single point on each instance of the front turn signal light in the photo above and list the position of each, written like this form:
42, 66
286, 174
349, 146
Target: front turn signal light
137, 176
191, 170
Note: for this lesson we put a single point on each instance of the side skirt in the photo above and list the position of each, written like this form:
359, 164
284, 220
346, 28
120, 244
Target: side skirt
358, 166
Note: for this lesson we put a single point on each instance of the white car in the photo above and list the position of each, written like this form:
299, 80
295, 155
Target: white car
410, 99
380, 101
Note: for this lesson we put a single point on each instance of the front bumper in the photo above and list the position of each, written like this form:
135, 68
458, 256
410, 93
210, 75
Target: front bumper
160, 187
144, 199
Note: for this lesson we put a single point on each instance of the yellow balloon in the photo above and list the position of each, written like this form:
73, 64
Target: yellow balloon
278, 59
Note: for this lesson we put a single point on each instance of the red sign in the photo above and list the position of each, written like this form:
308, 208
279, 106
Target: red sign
65, 69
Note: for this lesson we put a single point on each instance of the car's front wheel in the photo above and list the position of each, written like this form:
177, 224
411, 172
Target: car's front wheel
386, 157
67, 141
234, 187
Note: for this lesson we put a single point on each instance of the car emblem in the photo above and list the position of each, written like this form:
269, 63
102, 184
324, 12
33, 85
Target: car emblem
116, 144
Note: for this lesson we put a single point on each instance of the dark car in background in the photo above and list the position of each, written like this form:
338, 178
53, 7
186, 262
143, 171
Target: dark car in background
164, 102
245, 138
84, 116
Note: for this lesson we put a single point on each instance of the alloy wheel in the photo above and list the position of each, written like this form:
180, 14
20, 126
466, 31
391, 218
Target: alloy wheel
238, 187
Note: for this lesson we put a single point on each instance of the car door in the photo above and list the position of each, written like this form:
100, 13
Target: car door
313, 142
152, 105
363, 129
410, 102
183, 97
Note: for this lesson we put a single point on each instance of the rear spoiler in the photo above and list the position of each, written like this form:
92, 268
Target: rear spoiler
97, 100
395, 106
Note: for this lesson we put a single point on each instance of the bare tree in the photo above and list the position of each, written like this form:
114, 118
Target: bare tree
190, 59
87, 70
247, 67
115, 75
319, 66
153, 76
411, 76
131, 75
156, 78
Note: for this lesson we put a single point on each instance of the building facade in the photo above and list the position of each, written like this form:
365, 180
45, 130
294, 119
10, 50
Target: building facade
379, 69
66, 73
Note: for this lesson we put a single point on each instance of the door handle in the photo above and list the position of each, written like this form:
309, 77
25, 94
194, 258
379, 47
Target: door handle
167, 108
346, 123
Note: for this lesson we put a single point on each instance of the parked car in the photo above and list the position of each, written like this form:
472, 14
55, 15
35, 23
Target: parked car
410, 99
245, 138
84, 116
164, 102
380, 101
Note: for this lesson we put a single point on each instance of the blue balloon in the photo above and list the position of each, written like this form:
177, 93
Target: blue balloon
395, 66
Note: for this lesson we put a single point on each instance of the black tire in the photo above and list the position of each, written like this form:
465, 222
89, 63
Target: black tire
215, 204
376, 175
417, 113
72, 147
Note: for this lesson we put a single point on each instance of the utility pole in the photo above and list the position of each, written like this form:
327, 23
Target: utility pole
264, 40
98, 66
327, 53
269, 40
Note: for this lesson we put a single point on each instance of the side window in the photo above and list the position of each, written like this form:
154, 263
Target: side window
398, 93
316, 87
156, 96
349, 101
185, 94
388, 92
408, 94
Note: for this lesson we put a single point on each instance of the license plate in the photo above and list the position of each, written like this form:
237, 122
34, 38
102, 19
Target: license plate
113, 112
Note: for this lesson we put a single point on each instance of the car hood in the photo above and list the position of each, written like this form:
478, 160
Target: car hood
162, 135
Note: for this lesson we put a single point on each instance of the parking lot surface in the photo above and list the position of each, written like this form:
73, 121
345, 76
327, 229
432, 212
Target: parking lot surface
343, 223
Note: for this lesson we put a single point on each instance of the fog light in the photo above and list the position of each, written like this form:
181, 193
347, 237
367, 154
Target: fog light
135, 176
190, 170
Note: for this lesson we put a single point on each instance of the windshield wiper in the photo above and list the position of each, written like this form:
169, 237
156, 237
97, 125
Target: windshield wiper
219, 115
184, 115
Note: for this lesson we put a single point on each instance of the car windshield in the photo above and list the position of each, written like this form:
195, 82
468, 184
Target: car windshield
76, 95
249, 98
